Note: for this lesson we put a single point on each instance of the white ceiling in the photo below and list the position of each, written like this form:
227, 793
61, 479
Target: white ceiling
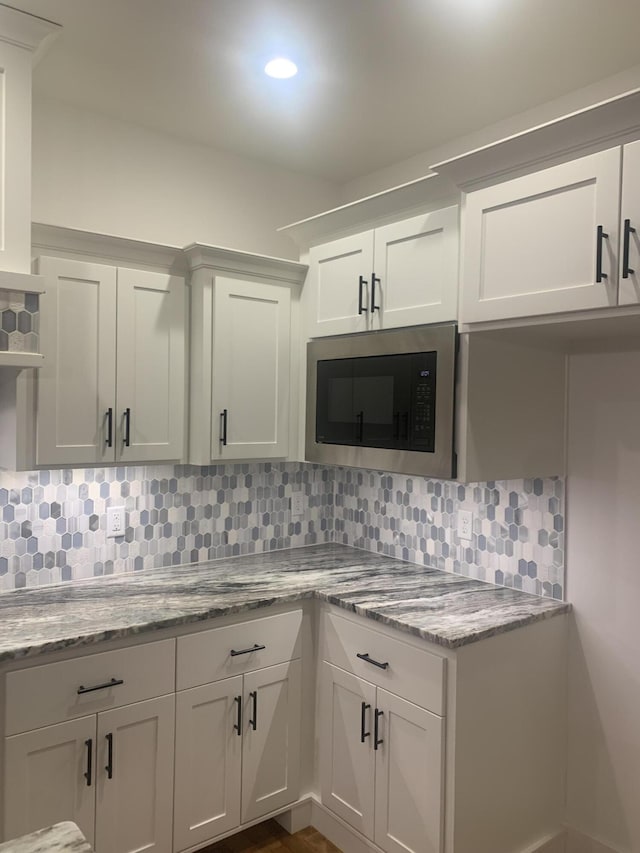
379, 81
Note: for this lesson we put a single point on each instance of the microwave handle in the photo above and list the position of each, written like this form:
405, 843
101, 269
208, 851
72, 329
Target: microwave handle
360, 422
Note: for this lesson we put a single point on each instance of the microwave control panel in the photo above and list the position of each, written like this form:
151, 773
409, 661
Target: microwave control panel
423, 394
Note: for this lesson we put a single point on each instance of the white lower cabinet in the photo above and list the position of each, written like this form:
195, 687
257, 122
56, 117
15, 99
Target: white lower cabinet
237, 751
381, 763
111, 773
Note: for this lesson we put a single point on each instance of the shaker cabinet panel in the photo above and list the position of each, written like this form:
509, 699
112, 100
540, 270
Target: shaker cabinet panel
135, 777
532, 245
251, 361
416, 271
151, 366
347, 759
630, 226
409, 768
112, 387
49, 776
271, 747
77, 381
208, 761
339, 278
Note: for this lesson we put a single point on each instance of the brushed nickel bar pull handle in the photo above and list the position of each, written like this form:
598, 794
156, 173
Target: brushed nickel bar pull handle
113, 683
365, 657
256, 648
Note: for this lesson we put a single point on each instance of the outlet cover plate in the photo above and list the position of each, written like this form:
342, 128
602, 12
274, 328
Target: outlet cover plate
116, 521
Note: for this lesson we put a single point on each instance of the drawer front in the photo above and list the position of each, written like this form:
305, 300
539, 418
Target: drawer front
412, 673
209, 656
55, 692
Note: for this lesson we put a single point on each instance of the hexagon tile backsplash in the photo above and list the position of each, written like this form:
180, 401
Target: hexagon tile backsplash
19, 321
53, 523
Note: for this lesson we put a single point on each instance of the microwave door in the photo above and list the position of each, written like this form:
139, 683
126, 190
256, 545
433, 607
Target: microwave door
381, 389
336, 421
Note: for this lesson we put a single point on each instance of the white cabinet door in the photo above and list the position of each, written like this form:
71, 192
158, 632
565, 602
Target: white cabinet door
409, 768
77, 382
339, 283
347, 757
251, 346
208, 762
630, 237
530, 244
50, 776
416, 270
151, 366
271, 747
135, 777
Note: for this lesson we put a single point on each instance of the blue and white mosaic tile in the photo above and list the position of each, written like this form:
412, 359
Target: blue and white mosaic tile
53, 523
19, 321
518, 526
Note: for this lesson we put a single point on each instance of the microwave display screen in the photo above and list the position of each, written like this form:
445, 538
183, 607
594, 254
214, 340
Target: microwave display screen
378, 401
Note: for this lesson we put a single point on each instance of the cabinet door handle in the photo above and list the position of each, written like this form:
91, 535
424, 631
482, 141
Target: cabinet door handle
113, 683
256, 648
238, 724
127, 427
362, 308
253, 721
365, 657
374, 279
109, 764
377, 741
109, 439
626, 247
363, 722
602, 235
87, 773
224, 421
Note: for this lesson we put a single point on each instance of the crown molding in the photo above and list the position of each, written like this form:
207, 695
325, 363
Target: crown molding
419, 196
595, 128
26, 31
106, 248
222, 260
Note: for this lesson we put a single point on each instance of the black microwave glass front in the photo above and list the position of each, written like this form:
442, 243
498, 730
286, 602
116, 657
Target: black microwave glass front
378, 401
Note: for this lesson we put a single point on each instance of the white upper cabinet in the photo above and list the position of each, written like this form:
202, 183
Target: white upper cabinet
543, 243
113, 384
339, 279
403, 274
416, 271
151, 366
630, 226
251, 362
243, 309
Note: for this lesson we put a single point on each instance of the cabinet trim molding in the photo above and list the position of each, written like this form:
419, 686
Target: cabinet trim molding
221, 260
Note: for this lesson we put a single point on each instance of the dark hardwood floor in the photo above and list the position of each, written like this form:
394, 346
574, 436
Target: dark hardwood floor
270, 837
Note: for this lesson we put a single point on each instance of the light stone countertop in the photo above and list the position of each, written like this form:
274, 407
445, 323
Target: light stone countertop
60, 838
443, 608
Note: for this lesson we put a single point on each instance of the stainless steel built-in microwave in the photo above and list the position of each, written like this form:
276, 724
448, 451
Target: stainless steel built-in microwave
384, 400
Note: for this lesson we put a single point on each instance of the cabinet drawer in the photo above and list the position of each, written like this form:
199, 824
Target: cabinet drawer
48, 694
412, 673
209, 656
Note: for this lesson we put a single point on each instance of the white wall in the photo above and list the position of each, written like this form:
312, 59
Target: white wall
603, 578
417, 166
95, 173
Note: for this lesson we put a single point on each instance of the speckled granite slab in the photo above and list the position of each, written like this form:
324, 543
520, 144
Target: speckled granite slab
443, 608
60, 838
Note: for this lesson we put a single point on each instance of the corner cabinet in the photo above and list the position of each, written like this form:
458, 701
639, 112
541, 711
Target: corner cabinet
112, 388
415, 739
241, 367
401, 274
554, 241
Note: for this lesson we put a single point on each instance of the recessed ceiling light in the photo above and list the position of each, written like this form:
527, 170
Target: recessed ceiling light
281, 68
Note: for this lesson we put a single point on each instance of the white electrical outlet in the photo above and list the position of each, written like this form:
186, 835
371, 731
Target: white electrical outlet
465, 525
297, 505
116, 521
